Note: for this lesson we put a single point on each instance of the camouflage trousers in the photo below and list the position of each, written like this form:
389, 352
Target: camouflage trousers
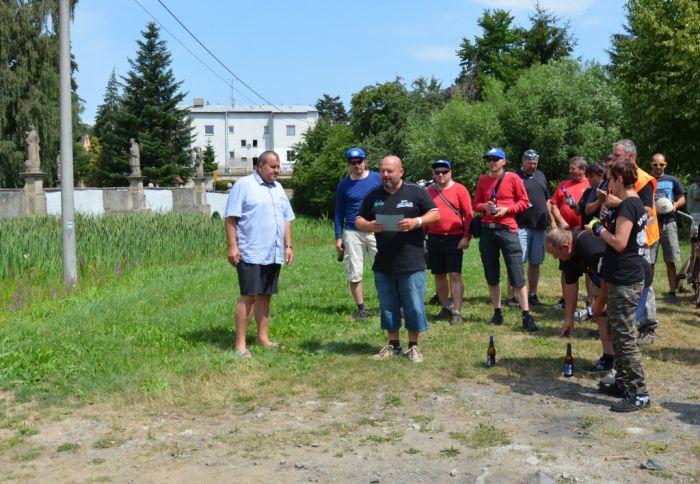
622, 306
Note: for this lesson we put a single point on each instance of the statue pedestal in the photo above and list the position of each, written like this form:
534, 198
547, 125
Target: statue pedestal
34, 196
136, 201
200, 195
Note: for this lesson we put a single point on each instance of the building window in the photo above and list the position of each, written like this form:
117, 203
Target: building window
244, 158
291, 130
266, 129
255, 143
290, 156
230, 129
243, 143
209, 129
231, 155
255, 161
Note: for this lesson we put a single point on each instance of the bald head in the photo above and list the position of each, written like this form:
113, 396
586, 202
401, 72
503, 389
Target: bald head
391, 171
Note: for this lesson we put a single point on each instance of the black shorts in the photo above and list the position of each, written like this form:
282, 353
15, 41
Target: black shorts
257, 279
443, 255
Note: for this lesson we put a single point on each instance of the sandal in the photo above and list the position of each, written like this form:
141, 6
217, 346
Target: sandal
245, 354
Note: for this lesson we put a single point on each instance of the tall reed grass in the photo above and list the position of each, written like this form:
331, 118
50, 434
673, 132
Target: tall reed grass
32, 246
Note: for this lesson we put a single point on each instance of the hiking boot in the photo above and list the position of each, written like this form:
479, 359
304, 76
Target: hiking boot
631, 403
646, 338
603, 365
614, 390
497, 318
534, 300
609, 378
529, 324
445, 314
456, 319
671, 298
512, 302
361, 315
434, 301
387, 352
560, 305
413, 355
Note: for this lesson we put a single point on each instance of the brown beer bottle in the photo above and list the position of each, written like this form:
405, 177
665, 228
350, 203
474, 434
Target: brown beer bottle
568, 362
491, 353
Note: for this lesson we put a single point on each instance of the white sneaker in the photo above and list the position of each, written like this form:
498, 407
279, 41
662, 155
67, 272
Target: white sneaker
609, 377
386, 352
413, 354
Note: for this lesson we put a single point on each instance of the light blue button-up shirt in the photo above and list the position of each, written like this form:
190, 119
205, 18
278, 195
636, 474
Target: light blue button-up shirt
263, 210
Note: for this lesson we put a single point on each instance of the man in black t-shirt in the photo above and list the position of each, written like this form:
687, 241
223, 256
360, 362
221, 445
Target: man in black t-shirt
396, 213
532, 225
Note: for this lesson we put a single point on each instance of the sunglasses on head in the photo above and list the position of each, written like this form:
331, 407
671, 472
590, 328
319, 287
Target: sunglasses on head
441, 172
356, 162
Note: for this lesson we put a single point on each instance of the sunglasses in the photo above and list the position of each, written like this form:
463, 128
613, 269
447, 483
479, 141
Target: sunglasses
658, 165
492, 159
441, 172
356, 162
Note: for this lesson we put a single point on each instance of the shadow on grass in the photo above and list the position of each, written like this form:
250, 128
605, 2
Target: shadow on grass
684, 356
687, 412
220, 337
527, 379
338, 347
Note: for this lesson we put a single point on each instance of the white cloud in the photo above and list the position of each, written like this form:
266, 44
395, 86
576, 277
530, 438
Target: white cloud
434, 53
571, 8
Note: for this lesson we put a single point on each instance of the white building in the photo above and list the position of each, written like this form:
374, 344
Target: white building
240, 133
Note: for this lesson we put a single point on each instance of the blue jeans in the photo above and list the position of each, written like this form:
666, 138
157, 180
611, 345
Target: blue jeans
405, 290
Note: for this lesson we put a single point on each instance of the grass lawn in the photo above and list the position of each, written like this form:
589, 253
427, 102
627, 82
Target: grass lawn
163, 333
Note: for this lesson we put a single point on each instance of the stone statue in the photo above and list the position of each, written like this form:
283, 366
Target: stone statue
135, 158
198, 162
33, 163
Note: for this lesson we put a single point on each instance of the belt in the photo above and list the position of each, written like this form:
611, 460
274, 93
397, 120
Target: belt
495, 226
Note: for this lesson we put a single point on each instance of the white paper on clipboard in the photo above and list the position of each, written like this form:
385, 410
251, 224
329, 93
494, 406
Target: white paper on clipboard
389, 221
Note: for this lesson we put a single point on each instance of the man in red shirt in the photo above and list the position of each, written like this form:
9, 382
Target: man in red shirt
448, 238
564, 203
500, 196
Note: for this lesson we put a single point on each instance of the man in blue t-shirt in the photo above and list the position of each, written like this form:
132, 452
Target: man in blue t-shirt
667, 187
352, 245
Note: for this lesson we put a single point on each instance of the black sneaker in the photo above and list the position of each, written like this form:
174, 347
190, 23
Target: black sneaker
511, 302
434, 301
497, 318
361, 315
603, 365
529, 324
561, 304
631, 403
534, 300
444, 314
614, 389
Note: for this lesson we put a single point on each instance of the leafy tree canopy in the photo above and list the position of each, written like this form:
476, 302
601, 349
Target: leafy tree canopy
331, 109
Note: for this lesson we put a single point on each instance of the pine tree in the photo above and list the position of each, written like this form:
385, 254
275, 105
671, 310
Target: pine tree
209, 158
112, 166
150, 112
29, 85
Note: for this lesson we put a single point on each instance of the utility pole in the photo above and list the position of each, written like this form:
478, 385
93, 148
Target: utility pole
70, 272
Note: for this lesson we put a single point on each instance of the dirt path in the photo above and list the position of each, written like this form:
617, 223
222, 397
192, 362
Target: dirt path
490, 432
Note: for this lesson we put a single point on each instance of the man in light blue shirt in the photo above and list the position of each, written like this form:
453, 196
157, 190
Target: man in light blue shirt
258, 222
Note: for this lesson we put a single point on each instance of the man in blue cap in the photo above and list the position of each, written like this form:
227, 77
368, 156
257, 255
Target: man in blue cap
351, 245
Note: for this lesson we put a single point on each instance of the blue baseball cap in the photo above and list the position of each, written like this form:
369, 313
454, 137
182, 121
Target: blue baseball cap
445, 163
355, 153
495, 153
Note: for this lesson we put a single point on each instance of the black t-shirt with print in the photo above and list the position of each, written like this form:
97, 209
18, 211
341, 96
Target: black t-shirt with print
398, 252
587, 257
537, 189
627, 267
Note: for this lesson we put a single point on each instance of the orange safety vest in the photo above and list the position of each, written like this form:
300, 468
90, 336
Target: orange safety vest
652, 229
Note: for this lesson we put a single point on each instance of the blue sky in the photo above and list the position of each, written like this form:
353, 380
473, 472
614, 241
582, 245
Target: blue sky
291, 52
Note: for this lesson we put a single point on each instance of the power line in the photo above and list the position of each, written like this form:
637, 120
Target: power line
225, 66
228, 84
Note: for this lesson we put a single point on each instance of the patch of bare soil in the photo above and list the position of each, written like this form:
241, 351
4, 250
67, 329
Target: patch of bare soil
495, 431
